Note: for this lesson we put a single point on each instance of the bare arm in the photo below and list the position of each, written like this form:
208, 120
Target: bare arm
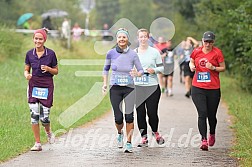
27, 74
192, 65
105, 81
221, 68
194, 41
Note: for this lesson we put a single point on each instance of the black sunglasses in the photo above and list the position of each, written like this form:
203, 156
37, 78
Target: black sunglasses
208, 41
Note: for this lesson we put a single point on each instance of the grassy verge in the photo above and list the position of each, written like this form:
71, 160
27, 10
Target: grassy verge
239, 105
15, 131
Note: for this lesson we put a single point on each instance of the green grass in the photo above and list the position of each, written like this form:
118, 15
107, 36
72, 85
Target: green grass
239, 105
15, 130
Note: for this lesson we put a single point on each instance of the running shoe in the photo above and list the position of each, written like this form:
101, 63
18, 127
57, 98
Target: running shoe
50, 137
211, 139
120, 140
188, 94
144, 142
128, 148
36, 147
204, 145
160, 140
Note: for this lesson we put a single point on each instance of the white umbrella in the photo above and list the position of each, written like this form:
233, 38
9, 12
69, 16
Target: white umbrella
53, 13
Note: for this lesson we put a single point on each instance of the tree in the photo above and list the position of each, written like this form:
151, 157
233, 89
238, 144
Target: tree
140, 12
106, 11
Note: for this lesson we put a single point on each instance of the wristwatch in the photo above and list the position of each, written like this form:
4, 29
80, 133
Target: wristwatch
214, 68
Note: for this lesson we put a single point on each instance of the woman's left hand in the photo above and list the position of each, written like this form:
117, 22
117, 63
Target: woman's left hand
44, 68
150, 70
209, 66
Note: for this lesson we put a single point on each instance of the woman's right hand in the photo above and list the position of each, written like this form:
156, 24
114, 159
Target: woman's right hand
28, 76
192, 67
104, 89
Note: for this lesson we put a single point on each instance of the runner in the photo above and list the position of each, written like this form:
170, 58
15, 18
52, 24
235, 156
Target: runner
43, 62
147, 88
168, 60
207, 62
190, 44
160, 45
122, 60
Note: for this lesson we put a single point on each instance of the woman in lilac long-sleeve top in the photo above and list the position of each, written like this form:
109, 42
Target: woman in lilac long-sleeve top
122, 61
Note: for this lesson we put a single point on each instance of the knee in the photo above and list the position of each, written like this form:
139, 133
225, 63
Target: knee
34, 113
129, 118
45, 121
119, 120
44, 118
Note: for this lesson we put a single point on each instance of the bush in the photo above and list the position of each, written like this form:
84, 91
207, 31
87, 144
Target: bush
10, 43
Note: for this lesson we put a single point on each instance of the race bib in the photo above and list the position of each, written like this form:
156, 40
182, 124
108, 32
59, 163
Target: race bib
40, 93
143, 80
122, 80
203, 77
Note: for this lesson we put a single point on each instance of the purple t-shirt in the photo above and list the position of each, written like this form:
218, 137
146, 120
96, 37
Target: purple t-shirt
48, 58
121, 64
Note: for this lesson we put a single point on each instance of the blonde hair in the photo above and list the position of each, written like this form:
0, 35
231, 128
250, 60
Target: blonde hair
143, 30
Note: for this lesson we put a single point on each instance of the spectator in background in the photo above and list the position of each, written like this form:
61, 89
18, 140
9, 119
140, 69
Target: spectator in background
106, 34
46, 23
65, 29
27, 25
76, 32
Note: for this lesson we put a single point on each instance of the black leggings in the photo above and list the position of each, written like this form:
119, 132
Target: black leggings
147, 98
117, 95
206, 102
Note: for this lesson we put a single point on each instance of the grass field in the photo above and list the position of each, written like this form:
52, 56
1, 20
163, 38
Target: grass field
239, 105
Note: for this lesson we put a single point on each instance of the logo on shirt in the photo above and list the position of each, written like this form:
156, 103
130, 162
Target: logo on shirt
202, 62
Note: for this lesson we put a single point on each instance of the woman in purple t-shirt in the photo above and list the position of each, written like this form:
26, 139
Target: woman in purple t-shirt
43, 62
122, 60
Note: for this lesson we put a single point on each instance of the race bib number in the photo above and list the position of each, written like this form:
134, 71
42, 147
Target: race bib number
40, 93
203, 77
122, 80
143, 80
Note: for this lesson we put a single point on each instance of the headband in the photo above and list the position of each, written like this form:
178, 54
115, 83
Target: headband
41, 31
123, 31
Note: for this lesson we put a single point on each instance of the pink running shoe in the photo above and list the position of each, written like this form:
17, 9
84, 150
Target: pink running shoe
160, 140
204, 145
211, 139
144, 142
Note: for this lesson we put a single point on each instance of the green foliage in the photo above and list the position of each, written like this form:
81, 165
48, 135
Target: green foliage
11, 10
239, 105
140, 12
106, 11
231, 21
9, 47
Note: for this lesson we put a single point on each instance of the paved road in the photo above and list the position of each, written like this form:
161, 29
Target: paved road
95, 145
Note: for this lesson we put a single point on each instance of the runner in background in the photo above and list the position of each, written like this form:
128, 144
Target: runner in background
190, 44
207, 62
181, 60
122, 60
43, 62
168, 61
160, 45
147, 88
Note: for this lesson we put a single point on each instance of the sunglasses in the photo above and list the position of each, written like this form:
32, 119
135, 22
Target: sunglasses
210, 42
